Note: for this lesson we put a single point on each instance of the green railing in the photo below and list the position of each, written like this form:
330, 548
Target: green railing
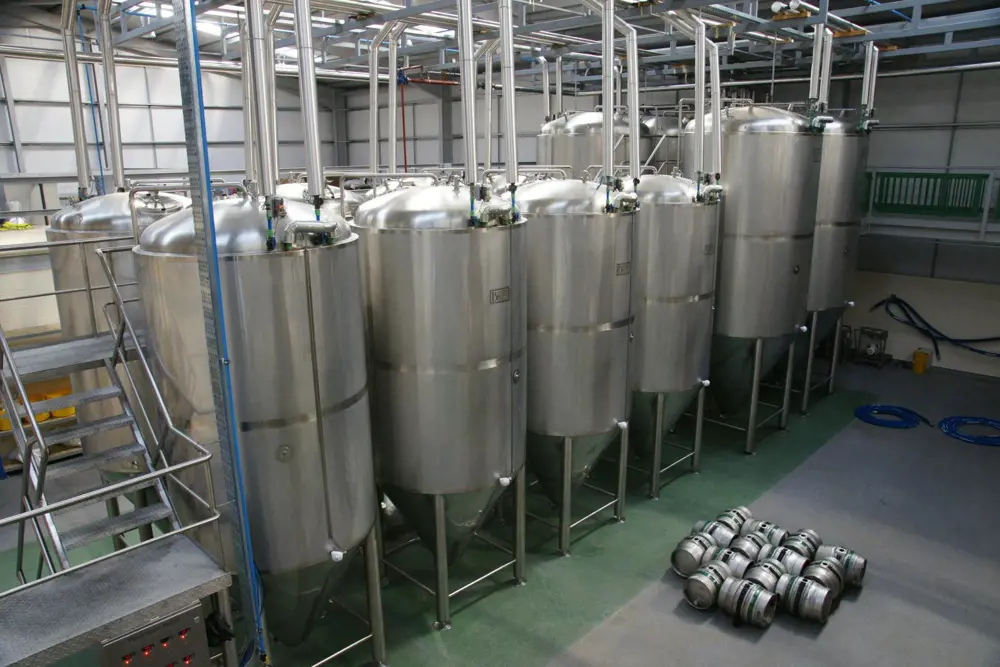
928, 194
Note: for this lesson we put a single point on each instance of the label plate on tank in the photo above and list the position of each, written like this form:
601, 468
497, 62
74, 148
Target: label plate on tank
500, 295
623, 269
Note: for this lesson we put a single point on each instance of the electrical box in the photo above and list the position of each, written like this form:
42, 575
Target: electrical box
174, 641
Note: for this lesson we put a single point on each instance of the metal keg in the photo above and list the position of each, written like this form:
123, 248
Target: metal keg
800, 545
828, 572
855, 566
747, 602
701, 590
792, 561
766, 573
805, 598
740, 515
810, 536
687, 556
749, 545
773, 533
737, 562
722, 533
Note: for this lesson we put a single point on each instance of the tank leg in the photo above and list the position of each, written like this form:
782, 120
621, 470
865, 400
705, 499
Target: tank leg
231, 659
810, 358
373, 568
622, 473
520, 519
836, 356
380, 540
566, 506
786, 401
654, 471
441, 565
699, 430
758, 360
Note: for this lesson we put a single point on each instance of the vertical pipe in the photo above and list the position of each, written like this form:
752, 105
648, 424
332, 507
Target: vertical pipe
758, 361
509, 101
559, 86
713, 54
373, 53
817, 63
488, 105
786, 400
259, 66
114, 137
520, 519
374, 588
608, 94
75, 104
566, 500
309, 98
699, 427
836, 356
546, 88
810, 358
441, 565
467, 71
871, 83
632, 62
654, 471
699, 101
270, 90
250, 138
622, 473
825, 73
866, 78
393, 97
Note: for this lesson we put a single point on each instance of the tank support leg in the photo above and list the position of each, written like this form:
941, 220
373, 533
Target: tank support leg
373, 575
379, 539
810, 358
758, 360
623, 472
520, 519
699, 429
441, 565
786, 401
654, 471
836, 356
566, 506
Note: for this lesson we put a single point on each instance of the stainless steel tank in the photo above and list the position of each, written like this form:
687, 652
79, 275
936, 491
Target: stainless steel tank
576, 139
673, 295
297, 355
664, 142
770, 173
447, 330
299, 192
579, 316
82, 316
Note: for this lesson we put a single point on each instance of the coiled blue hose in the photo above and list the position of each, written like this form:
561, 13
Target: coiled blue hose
890, 416
904, 313
952, 426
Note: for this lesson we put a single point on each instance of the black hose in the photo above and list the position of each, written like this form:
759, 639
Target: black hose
904, 313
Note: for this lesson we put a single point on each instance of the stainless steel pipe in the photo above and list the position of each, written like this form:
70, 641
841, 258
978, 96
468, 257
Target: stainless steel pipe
113, 141
488, 103
75, 103
467, 71
827, 69
251, 156
507, 84
259, 65
270, 92
546, 88
816, 64
559, 85
373, 54
309, 97
392, 99
608, 90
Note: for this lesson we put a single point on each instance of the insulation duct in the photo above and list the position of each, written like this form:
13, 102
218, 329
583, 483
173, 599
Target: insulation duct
507, 83
309, 98
817, 63
467, 70
262, 120
868, 80
251, 156
75, 103
114, 132
488, 54
546, 88
392, 101
271, 90
608, 90
827, 71
559, 85
373, 53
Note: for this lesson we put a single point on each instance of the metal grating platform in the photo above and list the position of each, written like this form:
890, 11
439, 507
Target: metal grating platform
60, 617
55, 360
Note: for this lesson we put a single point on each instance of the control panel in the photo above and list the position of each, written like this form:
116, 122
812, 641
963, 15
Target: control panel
173, 641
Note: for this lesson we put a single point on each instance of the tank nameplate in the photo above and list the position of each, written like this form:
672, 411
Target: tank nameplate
500, 295
623, 269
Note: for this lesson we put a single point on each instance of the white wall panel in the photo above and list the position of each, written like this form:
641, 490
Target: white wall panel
976, 148
225, 157
5, 134
132, 85
357, 154
219, 90
164, 86
427, 152
47, 124
927, 99
327, 125
909, 148
172, 157
290, 126
135, 125
39, 80
357, 124
285, 99
49, 159
140, 157
168, 125
980, 98
224, 125
423, 120
8, 163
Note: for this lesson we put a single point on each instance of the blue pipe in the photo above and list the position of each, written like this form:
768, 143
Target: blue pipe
952, 426
890, 416
98, 138
894, 11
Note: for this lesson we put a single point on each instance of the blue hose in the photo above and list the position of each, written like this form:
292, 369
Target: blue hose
904, 313
895, 416
952, 426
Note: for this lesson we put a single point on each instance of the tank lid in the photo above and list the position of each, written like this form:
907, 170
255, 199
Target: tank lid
588, 123
754, 119
561, 197
664, 189
110, 213
428, 207
240, 227
845, 123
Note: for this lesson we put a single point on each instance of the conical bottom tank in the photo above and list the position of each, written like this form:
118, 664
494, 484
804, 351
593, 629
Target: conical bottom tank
464, 514
732, 368
294, 601
643, 421
545, 456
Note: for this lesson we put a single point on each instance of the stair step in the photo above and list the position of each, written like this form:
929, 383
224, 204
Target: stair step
87, 428
59, 359
108, 526
53, 495
93, 461
67, 614
71, 400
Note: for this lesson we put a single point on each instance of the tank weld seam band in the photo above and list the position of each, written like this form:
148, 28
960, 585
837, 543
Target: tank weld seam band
485, 365
589, 328
772, 237
694, 298
444, 230
851, 223
305, 417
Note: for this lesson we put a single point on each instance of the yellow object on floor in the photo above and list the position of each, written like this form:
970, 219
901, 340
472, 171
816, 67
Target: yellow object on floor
61, 412
921, 360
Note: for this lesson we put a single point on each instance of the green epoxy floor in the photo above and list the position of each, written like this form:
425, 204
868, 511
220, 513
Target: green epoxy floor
499, 625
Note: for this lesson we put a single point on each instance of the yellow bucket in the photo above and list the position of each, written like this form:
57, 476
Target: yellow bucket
39, 416
61, 412
4, 422
921, 360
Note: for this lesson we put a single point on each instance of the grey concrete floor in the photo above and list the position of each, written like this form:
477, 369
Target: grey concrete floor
921, 506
